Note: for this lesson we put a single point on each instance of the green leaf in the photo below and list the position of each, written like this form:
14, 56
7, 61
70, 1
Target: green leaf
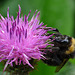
1, 66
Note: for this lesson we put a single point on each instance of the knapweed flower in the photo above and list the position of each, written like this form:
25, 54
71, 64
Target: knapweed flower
22, 40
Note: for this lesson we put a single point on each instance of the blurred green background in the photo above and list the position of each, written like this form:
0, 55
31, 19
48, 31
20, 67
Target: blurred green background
54, 13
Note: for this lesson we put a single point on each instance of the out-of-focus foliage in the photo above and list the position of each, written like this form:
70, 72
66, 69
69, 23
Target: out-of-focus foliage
54, 13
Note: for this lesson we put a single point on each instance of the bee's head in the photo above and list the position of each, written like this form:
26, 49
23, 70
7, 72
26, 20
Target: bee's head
62, 41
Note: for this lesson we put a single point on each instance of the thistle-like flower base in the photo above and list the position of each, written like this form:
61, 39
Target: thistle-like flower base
20, 69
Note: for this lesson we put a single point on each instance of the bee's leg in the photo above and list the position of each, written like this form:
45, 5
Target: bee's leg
56, 34
55, 30
50, 29
53, 49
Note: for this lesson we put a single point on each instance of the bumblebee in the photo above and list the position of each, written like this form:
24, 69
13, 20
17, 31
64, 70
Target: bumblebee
62, 51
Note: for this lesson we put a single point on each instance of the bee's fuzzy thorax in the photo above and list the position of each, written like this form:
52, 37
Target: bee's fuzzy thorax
71, 49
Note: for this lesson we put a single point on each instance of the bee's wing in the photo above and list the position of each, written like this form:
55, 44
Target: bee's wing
61, 65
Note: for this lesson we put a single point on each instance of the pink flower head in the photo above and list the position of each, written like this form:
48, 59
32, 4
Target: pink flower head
22, 40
